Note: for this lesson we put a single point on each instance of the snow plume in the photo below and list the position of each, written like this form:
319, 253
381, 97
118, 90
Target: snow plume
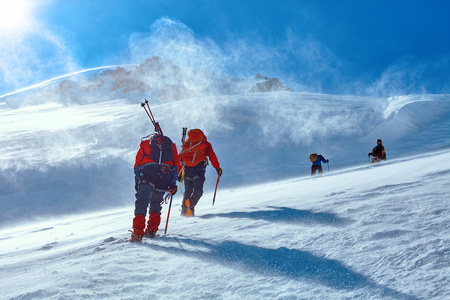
173, 40
42, 136
314, 119
317, 66
409, 76
399, 79
24, 58
304, 63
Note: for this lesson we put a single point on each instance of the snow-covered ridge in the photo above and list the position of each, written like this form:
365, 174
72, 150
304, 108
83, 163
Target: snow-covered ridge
159, 79
411, 115
53, 80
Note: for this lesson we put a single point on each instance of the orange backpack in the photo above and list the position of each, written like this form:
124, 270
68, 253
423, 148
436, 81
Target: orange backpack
194, 149
313, 157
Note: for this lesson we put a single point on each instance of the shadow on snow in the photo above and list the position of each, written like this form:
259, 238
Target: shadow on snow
285, 214
291, 263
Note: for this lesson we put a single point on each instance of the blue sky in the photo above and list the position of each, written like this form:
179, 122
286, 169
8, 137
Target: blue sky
377, 48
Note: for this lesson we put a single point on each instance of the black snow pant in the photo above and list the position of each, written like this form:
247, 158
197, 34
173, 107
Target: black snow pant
194, 178
315, 168
153, 183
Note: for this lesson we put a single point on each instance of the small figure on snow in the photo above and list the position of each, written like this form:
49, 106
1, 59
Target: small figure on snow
317, 160
156, 171
194, 159
378, 152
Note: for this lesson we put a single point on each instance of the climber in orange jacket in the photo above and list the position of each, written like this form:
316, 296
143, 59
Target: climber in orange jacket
194, 159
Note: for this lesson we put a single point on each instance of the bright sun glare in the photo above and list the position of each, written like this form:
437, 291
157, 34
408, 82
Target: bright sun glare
15, 14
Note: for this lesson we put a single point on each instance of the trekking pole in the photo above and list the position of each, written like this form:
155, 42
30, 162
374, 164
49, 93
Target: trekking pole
182, 181
168, 213
183, 140
328, 165
215, 191
150, 115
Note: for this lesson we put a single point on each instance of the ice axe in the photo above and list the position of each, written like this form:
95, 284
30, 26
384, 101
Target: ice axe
215, 191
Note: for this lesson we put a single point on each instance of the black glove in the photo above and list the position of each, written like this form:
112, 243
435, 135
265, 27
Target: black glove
370, 154
219, 171
328, 160
172, 189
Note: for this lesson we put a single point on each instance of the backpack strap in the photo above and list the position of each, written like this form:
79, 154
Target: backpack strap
191, 147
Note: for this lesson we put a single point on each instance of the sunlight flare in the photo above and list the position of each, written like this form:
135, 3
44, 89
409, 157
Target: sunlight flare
15, 15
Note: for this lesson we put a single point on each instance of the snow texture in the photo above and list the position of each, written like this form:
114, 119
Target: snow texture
360, 231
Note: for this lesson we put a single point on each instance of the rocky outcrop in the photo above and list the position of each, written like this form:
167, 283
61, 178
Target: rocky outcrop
269, 85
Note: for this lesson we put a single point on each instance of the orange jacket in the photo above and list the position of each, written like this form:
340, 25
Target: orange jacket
143, 155
196, 149
190, 159
212, 156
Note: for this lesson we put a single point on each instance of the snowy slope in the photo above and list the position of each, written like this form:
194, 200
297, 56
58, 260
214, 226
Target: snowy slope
76, 158
360, 231
372, 232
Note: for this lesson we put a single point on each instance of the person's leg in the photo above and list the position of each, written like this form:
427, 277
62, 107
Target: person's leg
198, 190
313, 169
189, 189
154, 218
140, 211
198, 181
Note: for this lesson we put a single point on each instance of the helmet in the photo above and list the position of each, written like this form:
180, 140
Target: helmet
379, 141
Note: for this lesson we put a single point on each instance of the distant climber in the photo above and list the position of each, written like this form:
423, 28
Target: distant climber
378, 152
317, 160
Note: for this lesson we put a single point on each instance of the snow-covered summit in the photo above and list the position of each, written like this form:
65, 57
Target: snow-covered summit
155, 78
